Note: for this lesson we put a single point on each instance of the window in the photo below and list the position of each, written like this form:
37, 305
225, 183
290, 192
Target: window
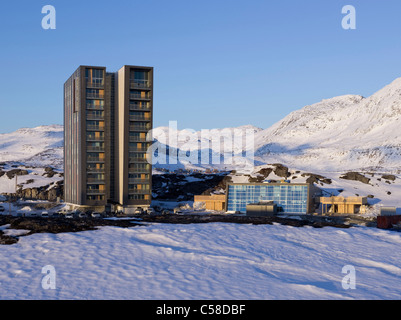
139, 166
95, 93
95, 197
137, 94
95, 167
137, 74
94, 104
94, 77
95, 136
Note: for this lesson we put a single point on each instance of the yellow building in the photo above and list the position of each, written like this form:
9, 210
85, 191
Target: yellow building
343, 205
216, 202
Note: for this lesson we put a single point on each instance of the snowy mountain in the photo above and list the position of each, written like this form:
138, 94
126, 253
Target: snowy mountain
343, 133
330, 138
40, 146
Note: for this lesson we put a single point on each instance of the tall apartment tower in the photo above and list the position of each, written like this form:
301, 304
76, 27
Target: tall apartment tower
107, 117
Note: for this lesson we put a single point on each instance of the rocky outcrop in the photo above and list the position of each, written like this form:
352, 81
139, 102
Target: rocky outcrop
281, 170
48, 192
390, 177
265, 172
185, 187
49, 172
356, 177
316, 178
16, 172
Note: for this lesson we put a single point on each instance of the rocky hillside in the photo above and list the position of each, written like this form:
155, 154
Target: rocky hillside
343, 133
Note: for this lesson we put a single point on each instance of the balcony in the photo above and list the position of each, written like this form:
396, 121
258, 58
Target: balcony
91, 95
137, 160
134, 107
139, 118
141, 170
138, 180
138, 149
94, 180
94, 192
94, 128
137, 139
96, 85
142, 84
133, 191
138, 127
95, 139
136, 96
95, 159
94, 149
94, 170
92, 116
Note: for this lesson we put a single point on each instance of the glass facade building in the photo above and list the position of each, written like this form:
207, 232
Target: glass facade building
289, 198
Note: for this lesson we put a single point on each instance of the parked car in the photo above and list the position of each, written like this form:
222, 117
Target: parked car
32, 214
82, 215
150, 211
69, 215
138, 211
96, 215
177, 211
45, 214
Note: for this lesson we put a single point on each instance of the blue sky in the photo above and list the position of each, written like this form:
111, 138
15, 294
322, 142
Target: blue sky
217, 63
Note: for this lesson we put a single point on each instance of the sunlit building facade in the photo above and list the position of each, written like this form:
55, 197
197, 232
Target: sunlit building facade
107, 116
290, 198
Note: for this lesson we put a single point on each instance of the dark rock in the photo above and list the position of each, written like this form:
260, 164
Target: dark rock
4, 239
257, 179
356, 177
281, 170
316, 178
171, 186
49, 172
19, 172
265, 172
43, 193
389, 177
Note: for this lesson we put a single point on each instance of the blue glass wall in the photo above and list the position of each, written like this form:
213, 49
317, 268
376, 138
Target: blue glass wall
289, 198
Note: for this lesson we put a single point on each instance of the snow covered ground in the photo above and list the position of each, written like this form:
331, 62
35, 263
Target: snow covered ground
205, 261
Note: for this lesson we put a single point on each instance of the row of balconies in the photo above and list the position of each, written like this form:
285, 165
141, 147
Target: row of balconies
136, 83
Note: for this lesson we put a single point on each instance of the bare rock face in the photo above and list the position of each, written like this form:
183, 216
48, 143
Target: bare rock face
356, 177
265, 172
184, 187
49, 172
316, 178
389, 177
16, 172
281, 170
4, 239
43, 193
